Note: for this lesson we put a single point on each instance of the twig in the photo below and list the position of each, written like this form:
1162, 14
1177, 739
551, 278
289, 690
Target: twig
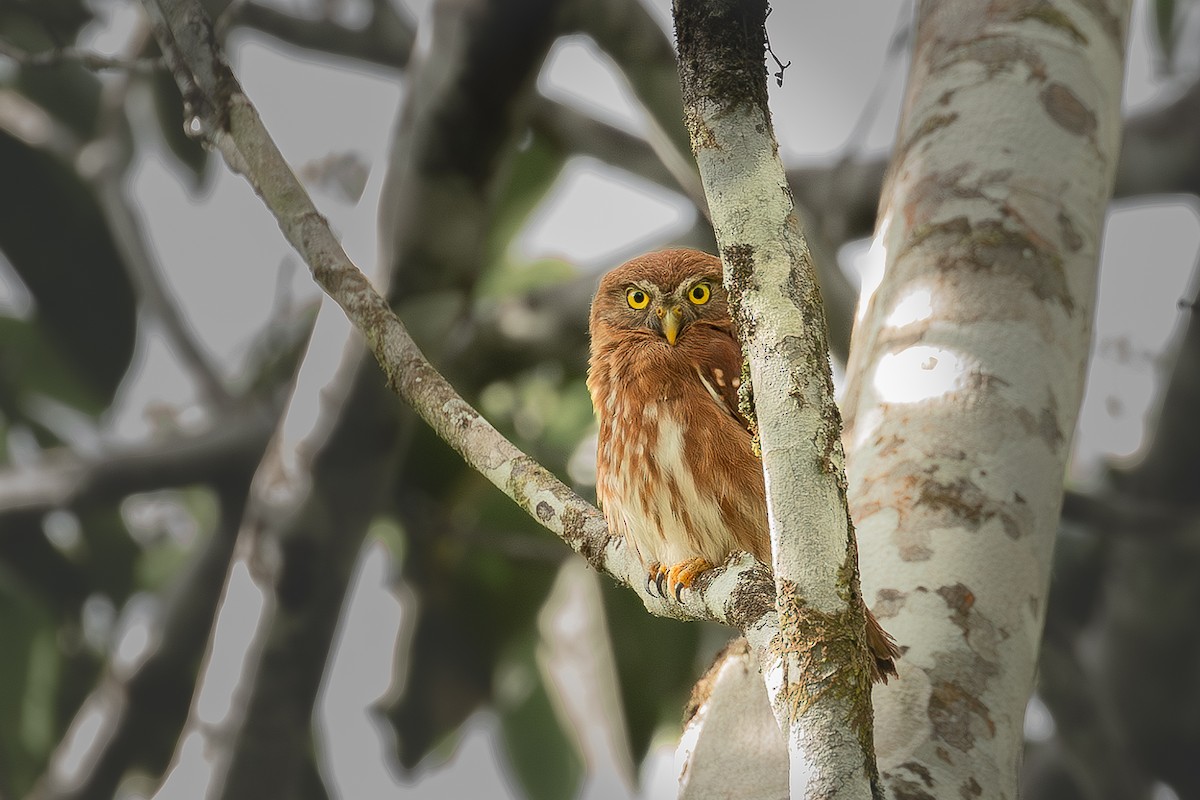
65, 480
386, 40
73, 55
782, 66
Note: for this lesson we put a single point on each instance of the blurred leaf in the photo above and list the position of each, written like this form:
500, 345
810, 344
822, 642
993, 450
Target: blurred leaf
68, 91
168, 105
28, 558
1164, 27
110, 556
539, 751
54, 235
163, 555
472, 601
31, 364
656, 662
26, 708
510, 277
51, 21
1170, 21
531, 174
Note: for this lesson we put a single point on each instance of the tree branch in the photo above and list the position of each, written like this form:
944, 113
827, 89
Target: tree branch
68, 480
74, 55
819, 672
386, 39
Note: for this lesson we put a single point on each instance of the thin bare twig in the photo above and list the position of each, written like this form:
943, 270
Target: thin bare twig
74, 55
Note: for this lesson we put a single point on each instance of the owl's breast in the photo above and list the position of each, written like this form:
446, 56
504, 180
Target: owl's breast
664, 482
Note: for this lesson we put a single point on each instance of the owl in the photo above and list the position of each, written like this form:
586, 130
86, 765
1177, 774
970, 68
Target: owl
676, 473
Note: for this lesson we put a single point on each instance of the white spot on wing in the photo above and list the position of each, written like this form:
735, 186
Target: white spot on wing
712, 391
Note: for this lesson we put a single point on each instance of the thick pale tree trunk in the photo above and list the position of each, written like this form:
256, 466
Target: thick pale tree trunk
967, 367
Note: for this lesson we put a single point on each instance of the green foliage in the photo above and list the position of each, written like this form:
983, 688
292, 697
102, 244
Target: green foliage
656, 664
26, 674
54, 235
473, 602
31, 365
1170, 17
540, 752
534, 168
168, 105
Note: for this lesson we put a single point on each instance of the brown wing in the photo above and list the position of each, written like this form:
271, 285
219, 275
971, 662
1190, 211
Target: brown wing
719, 368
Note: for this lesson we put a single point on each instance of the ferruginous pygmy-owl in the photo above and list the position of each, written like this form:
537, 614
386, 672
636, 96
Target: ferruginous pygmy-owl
676, 474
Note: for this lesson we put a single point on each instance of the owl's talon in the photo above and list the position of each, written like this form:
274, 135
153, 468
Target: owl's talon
661, 582
682, 575
654, 579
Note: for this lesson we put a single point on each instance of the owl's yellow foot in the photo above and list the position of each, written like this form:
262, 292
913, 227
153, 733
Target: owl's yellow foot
682, 575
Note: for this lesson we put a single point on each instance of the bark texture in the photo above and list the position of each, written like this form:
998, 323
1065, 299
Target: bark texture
967, 366
817, 672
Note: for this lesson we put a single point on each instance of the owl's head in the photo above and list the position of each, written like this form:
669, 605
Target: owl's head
661, 295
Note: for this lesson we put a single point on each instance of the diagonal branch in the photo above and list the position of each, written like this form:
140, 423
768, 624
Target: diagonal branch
740, 594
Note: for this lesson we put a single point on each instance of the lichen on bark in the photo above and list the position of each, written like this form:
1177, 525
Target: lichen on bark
832, 660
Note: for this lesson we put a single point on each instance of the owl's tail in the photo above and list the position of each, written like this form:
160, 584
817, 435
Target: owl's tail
884, 650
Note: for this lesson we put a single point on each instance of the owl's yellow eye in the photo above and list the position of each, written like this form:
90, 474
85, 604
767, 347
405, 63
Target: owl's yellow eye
700, 294
637, 298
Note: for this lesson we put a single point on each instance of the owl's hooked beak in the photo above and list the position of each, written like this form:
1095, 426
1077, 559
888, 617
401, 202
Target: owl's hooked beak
672, 321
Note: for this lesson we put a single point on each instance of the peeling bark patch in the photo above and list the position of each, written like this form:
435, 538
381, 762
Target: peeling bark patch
802, 294
965, 502
1112, 24
888, 603
1070, 235
951, 710
905, 789
1045, 13
998, 54
738, 649
991, 246
740, 260
699, 132
913, 544
920, 770
969, 789
1044, 425
1067, 110
590, 547
960, 599
929, 126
